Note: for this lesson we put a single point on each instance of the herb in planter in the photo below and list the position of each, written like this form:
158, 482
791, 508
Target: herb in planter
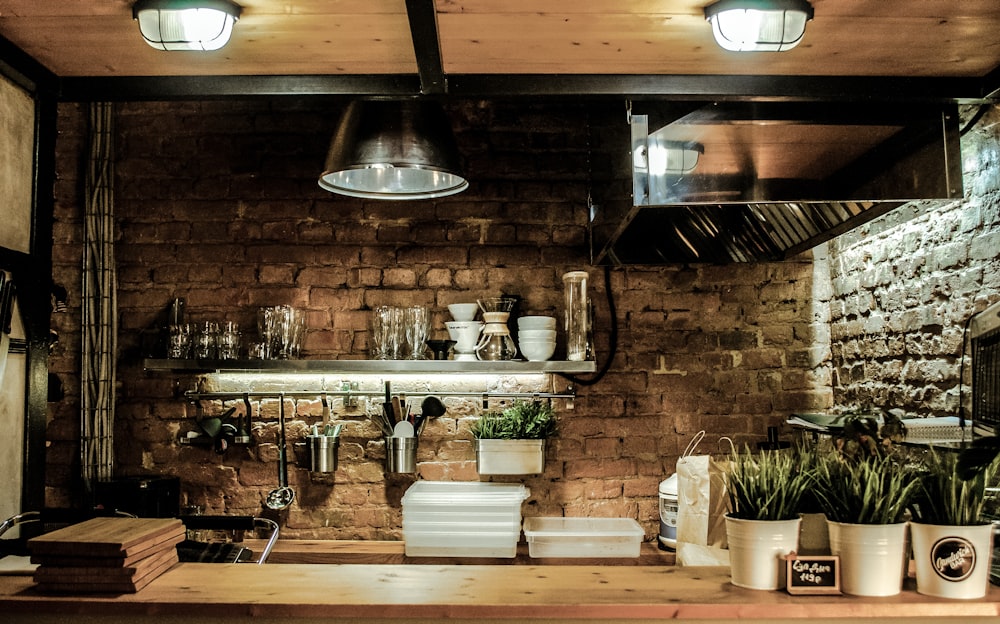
523, 420
876, 490
946, 499
768, 485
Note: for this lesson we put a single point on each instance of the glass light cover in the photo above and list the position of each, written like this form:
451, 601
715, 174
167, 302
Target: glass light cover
759, 25
186, 24
673, 157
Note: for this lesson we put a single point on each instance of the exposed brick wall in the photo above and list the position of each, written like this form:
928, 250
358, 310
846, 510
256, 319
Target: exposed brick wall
905, 285
217, 203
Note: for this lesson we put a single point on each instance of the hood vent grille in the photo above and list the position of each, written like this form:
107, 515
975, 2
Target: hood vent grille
773, 180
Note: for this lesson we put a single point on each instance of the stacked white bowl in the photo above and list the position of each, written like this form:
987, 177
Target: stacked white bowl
536, 337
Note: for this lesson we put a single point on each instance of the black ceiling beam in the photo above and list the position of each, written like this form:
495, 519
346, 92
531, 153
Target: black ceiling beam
426, 46
991, 84
16, 65
139, 88
722, 87
636, 87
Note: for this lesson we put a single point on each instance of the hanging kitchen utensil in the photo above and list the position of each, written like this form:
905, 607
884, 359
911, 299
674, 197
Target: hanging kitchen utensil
432, 407
403, 429
243, 423
282, 496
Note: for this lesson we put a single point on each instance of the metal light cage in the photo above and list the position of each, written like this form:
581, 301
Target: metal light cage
759, 25
202, 25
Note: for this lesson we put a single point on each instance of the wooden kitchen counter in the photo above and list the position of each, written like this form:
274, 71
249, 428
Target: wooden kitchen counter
196, 592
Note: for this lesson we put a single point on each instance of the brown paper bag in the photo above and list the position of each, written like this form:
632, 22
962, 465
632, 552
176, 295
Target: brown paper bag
701, 508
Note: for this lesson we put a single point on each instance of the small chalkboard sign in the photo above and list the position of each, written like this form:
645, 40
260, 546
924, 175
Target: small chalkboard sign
812, 574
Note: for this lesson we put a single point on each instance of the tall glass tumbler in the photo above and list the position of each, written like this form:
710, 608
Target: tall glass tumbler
418, 327
577, 321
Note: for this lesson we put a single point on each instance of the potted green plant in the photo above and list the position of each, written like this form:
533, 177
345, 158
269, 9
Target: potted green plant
865, 501
765, 490
951, 536
512, 441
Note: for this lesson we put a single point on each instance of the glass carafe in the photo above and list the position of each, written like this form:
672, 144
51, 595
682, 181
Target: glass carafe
496, 343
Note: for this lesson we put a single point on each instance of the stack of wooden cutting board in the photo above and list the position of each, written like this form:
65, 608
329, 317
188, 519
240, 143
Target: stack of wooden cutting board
115, 555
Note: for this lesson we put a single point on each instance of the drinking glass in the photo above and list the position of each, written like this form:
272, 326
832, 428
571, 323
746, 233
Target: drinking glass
381, 328
206, 341
417, 326
179, 346
229, 341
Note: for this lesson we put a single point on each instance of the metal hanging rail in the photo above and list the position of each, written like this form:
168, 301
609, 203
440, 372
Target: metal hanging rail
195, 395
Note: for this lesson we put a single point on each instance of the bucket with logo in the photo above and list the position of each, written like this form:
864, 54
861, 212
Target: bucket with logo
952, 561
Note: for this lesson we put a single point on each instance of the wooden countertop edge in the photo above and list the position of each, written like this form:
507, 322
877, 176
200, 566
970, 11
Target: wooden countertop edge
360, 591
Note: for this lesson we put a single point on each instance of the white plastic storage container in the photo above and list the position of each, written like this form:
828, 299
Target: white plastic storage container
583, 537
462, 519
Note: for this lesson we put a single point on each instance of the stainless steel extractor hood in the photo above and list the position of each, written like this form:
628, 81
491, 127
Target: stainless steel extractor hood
771, 179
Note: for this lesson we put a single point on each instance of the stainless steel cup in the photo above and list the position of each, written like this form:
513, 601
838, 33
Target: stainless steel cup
323, 453
401, 455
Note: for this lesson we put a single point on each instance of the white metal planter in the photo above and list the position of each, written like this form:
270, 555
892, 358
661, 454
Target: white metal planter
872, 557
952, 561
510, 457
757, 548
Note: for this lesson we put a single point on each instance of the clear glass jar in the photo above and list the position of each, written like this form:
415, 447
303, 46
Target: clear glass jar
577, 323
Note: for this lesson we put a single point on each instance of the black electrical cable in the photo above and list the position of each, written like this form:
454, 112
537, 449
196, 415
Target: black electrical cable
975, 119
613, 339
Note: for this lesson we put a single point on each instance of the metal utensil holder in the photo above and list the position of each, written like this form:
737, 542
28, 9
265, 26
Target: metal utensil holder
323, 451
401, 455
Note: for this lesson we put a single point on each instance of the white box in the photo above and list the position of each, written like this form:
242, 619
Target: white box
583, 537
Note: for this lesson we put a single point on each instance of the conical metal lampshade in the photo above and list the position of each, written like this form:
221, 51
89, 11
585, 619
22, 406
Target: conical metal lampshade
394, 149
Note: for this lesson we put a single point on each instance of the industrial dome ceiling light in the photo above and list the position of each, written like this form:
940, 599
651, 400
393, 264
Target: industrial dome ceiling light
394, 149
759, 25
186, 24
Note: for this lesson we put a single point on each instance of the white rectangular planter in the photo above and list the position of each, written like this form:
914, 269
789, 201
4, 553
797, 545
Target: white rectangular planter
510, 457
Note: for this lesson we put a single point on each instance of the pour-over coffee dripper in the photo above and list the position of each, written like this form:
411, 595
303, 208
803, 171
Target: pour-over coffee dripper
496, 342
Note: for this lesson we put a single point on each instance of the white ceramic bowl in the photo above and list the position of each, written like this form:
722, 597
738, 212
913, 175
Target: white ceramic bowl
536, 322
463, 311
536, 334
537, 351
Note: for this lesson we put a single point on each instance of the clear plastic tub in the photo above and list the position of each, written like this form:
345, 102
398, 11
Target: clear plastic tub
583, 537
462, 519
469, 544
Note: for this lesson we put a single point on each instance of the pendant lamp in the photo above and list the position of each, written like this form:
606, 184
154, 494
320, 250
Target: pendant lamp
186, 24
394, 150
759, 25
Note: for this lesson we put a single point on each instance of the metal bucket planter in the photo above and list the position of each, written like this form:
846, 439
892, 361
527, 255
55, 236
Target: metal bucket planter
952, 561
872, 557
757, 548
510, 457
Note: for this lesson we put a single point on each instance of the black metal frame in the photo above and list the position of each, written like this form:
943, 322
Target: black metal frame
34, 268
594, 86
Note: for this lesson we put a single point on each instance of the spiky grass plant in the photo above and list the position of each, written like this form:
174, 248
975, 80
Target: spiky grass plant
769, 484
875, 490
946, 498
523, 420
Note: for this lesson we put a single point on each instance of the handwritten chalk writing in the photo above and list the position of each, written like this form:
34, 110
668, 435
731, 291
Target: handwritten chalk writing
811, 567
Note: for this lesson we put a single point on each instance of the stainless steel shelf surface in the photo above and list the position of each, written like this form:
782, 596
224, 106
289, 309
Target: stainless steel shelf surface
368, 366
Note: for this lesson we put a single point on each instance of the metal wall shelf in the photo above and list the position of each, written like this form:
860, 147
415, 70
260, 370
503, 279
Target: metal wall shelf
367, 366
